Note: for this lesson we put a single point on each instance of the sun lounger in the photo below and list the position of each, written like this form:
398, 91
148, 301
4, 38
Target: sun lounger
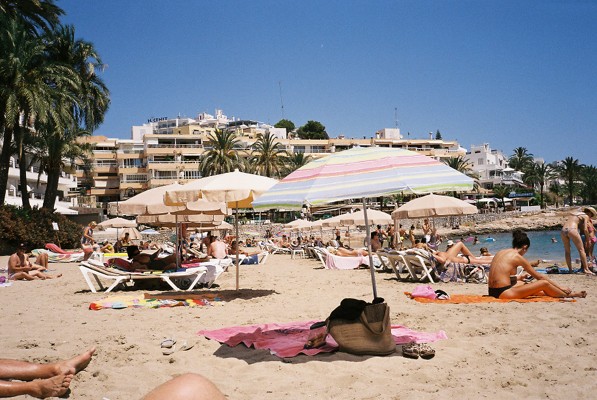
331, 261
117, 277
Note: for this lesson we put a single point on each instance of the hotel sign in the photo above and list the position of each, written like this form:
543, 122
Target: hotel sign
158, 119
513, 195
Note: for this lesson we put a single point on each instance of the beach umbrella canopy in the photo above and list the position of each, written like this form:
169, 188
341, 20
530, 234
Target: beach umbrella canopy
236, 189
118, 222
298, 224
149, 231
361, 173
374, 217
434, 205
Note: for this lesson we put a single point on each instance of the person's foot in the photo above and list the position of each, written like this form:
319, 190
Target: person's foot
55, 386
588, 272
76, 364
581, 294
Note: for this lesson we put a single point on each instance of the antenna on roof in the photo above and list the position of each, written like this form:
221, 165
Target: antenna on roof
396, 116
281, 101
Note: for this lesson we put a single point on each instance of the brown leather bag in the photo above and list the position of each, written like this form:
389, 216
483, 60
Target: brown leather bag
369, 334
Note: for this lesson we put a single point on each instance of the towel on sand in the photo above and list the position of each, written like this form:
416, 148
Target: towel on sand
288, 339
138, 301
476, 298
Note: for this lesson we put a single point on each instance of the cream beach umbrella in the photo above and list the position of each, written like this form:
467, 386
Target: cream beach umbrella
374, 217
434, 205
236, 189
118, 223
362, 173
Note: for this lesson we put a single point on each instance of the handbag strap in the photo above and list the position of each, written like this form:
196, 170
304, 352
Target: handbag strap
384, 324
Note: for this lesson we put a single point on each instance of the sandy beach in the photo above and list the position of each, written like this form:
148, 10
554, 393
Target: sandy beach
511, 350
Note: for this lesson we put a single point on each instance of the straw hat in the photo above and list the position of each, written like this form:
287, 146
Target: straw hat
590, 211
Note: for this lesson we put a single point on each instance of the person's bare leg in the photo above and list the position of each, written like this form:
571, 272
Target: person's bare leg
41, 388
537, 288
22, 276
26, 371
567, 255
580, 246
186, 387
42, 260
43, 276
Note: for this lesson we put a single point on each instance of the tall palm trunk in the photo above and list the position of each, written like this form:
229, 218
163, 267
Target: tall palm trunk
22, 168
5, 162
52, 187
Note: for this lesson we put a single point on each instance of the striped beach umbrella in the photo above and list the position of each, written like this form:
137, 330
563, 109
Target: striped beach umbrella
362, 173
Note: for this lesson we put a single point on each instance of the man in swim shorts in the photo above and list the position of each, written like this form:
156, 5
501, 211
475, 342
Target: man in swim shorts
20, 268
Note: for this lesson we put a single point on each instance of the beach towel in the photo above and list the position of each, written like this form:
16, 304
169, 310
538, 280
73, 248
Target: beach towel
288, 339
55, 249
476, 298
139, 301
337, 262
59, 257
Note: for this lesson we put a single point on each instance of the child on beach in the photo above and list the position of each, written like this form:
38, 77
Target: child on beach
503, 283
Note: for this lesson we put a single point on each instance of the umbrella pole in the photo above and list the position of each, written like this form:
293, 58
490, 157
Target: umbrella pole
237, 255
368, 240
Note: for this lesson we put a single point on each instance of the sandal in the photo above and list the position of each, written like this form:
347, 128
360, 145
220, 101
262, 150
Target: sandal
168, 343
425, 351
410, 350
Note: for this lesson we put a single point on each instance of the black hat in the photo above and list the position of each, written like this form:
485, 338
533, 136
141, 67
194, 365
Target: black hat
132, 251
22, 246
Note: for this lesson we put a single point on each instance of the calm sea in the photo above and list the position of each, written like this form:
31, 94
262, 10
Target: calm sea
542, 246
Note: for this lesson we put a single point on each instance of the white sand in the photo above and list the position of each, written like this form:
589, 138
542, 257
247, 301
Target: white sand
503, 351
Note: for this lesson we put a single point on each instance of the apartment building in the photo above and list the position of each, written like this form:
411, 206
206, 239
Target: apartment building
492, 167
164, 151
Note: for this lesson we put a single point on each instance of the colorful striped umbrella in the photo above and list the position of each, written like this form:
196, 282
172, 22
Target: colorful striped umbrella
361, 173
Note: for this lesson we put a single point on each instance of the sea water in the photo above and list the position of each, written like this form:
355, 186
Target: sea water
542, 245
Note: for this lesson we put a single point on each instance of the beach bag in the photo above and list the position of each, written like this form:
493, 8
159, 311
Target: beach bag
424, 291
362, 328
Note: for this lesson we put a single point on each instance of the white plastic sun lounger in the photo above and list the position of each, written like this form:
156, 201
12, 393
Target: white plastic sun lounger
93, 269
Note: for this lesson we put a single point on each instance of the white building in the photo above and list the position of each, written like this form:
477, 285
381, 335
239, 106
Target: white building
492, 167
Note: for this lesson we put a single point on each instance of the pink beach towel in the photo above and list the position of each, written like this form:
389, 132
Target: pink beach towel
288, 339
55, 249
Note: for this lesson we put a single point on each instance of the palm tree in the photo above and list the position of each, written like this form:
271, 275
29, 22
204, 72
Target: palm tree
267, 155
521, 160
556, 189
222, 157
501, 191
589, 185
293, 161
570, 170
79, 107
27, 81
35, 14
539, 174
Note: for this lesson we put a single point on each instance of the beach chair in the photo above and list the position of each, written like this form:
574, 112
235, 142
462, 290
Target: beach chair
394, 260
420, 264
273, 249
331, 261
118, 277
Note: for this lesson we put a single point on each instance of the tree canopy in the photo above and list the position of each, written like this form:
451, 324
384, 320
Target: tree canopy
285, 123
312, 130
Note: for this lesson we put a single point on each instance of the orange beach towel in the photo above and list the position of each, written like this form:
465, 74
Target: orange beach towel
477, 298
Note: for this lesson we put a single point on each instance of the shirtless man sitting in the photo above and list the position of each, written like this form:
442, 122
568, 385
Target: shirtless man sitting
503, 282
20, 268
40, 380
217, 249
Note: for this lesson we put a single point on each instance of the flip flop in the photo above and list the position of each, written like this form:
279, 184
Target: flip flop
410, 350
169, 350
184, 346
168, 343
425, 351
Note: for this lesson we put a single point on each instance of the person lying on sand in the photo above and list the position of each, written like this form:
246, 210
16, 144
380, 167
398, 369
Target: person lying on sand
20, 268
503, 282
40, 380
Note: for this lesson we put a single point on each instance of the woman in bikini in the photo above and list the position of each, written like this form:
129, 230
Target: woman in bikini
503, 282
461, 254
590, 240
571, 230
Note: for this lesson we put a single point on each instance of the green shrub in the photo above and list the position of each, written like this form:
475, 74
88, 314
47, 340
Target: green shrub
35, 229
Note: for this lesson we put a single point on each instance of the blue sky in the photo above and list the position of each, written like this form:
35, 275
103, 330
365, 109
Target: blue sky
507, 73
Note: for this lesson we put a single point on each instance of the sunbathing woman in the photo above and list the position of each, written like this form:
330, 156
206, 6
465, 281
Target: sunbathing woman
503, 282
461, 254
570, 232
150, 261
